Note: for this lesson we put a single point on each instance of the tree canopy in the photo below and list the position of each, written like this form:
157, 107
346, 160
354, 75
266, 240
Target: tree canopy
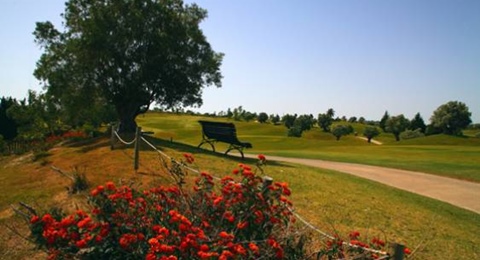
396, 125
451, 117
128, 54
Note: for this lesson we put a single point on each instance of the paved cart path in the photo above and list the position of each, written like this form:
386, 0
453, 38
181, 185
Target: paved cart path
463, 194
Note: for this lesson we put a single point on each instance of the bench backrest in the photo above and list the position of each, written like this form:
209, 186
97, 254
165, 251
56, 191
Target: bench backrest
224, 132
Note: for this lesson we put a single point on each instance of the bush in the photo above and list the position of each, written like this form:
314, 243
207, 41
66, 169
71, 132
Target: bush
409, 134
295, 131
247, 218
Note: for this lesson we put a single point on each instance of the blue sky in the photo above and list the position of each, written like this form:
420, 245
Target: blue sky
360, 58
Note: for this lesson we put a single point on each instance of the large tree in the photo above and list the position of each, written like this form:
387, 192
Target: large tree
451, 117
129, 54
396, 125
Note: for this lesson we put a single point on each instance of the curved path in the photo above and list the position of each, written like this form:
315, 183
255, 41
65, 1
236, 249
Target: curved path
463, 194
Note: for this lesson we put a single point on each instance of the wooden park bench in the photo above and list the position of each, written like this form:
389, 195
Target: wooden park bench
222, 132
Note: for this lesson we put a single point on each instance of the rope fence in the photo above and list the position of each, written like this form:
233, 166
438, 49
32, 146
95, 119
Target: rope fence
398, 248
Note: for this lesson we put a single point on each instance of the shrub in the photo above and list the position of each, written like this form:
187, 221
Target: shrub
409, 134
247, 217
245, 220
295, 131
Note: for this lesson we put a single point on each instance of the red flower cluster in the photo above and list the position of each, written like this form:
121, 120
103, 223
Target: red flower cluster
242, 220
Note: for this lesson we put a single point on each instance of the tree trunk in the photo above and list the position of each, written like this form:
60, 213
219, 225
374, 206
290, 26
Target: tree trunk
369, 139
397, 137
127, 115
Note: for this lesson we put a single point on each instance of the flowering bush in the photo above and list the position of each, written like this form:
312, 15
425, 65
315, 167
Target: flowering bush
247, 217
244, 219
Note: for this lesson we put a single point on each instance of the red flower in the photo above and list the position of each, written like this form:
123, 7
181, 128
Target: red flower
242, 225
354, 235
34, 219
81, 243
189, 157
407, 251
253, 247
262, 158
110, 185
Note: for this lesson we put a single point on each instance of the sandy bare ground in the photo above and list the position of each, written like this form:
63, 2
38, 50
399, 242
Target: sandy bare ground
463, 194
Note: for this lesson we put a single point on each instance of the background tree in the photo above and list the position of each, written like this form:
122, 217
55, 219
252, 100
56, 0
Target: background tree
288, 120
262, 117
274, 119
417, 123
340, 130
383, 121
305, 122
451, 117
35, 117
128, 53
352, 119
370, 132
326, 120
8, 127
396, 125
361, 120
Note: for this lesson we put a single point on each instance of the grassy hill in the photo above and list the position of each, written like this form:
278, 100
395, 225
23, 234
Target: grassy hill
330, 200
450, 156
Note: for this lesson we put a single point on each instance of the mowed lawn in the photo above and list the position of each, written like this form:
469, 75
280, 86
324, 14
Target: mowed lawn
456, 157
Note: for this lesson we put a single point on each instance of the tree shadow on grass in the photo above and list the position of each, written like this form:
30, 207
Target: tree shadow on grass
160, 143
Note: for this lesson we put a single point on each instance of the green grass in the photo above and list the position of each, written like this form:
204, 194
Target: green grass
450, 156
330, 200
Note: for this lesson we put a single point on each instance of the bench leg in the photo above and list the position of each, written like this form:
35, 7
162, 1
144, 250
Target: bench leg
207, 142
239, 149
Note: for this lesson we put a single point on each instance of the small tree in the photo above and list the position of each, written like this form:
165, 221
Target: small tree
262, 117
8, 127
370, 132
340, 130
451, 117
396, 125
352, 119
361, 120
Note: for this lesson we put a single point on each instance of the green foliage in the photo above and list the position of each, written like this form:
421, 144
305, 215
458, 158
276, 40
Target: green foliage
409, 134
304, 122
370, 132
396, 125
295, 131
340, 130
451, 117
128, 54
326, 120
288, 120
9, 126
274, 119
35, 117
262, 117
432, 130
383, 121
417, 123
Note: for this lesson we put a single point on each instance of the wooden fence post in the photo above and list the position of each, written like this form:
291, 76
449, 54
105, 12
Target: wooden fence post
112, 136
398, 251
138, 135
